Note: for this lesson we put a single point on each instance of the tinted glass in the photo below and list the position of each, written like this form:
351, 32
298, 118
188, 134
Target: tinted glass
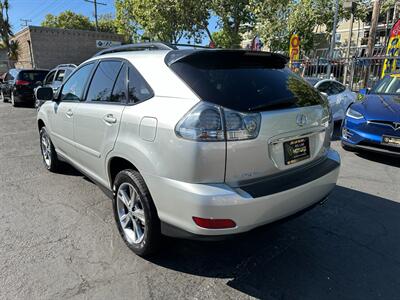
325, 87
49, 78
138, 88
337, 88
119, 90
388, 85
32, 76
103, 81
60, 75
73, 88
67, 73
246, 84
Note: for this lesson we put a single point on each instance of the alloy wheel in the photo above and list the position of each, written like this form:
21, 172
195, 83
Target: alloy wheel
130, 213
45, 144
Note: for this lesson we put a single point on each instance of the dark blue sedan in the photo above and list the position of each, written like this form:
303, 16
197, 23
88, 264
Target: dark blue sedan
373, 122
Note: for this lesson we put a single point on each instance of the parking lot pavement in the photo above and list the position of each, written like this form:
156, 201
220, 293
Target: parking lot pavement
58, 238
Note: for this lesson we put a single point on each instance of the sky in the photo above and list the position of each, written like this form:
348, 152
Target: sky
36, 10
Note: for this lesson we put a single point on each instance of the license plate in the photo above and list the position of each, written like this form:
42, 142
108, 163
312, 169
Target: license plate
296, 150
391, 141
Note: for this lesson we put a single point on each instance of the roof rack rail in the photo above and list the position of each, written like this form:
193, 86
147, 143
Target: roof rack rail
138, 47
67, 65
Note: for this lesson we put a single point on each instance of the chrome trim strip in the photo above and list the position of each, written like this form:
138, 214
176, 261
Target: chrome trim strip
284, 139
385, 124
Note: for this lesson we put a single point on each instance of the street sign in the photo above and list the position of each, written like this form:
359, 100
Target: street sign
106, 44
294, 47
392, 50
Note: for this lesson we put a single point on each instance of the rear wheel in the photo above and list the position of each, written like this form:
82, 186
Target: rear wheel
13, 100
2, 97
48, 151
135, 213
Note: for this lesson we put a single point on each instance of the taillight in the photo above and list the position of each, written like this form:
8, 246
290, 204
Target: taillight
214, 223
21, 82
210, 122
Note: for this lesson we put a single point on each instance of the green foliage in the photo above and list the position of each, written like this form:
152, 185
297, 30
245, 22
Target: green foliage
68, 20
106, 23
6, 32
166, 20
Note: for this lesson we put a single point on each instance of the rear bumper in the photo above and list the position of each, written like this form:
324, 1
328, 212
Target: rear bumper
24, 97
177, 202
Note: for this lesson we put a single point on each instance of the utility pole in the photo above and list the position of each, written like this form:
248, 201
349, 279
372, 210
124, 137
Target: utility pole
26, 21
333, 40
371, 36
372, 31
95, 3
349, 5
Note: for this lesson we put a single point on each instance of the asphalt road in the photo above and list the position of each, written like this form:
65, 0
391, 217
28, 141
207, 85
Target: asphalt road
58, 238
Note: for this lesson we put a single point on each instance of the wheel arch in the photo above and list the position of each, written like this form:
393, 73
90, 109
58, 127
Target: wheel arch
115, 165
40, 123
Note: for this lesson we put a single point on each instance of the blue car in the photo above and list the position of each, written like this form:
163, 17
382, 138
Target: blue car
373, 122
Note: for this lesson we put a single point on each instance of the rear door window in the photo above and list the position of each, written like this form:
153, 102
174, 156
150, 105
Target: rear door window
244, 83
103, 81
60, 76
74, 86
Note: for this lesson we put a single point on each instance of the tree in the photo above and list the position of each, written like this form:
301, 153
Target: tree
68, 20
6, 33
165, 20
235, 17
106, 23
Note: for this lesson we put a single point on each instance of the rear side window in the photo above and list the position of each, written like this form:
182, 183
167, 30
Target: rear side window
32, 76
244, 83
138, 89
103, 81
73, 88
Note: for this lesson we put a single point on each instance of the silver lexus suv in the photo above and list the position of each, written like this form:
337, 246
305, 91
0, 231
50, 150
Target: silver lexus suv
191, 143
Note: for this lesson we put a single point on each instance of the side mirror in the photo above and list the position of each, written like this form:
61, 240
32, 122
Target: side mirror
44, 94
364, 91
324, 94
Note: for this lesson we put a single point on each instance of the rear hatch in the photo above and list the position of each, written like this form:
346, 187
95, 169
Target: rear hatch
295, 123
27, 80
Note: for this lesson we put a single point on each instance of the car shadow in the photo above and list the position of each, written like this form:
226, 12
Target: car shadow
380, 158
336, 131
347, 248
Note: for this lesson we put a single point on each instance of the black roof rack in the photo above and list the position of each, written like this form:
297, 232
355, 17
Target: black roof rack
138, 47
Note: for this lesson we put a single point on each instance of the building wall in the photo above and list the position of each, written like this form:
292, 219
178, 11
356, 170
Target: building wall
54, 46
24, 57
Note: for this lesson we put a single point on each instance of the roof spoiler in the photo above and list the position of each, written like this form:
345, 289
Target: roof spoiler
220, 55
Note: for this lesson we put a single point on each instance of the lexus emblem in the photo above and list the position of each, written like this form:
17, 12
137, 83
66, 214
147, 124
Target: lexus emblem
396, 126
301, 119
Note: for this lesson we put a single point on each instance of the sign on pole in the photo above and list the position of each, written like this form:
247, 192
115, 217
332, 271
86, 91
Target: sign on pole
392, 50
294, 48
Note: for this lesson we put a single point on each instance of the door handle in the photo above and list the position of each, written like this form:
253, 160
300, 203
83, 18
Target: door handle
109, 119
69, 113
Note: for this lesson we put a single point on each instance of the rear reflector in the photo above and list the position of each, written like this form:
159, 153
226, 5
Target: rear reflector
214, 223
22, 82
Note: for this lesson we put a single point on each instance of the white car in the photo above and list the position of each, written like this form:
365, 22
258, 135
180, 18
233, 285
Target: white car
339, 96
191, 143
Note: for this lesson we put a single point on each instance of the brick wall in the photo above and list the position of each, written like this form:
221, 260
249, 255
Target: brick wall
24, 58
54, 46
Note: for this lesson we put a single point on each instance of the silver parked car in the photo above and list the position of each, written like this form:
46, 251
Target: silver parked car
339, 97
191, 143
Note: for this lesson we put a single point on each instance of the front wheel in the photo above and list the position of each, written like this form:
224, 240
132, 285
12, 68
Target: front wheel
135, 213
49, 154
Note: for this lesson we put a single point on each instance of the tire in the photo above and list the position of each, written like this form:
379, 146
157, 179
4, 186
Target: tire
2, 97
13, 100
48, 151
137, 221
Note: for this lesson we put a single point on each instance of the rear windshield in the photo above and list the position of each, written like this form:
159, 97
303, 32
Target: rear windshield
32, 76
245, 84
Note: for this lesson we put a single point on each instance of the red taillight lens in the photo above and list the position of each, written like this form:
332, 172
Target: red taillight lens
214, 223
22, 82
